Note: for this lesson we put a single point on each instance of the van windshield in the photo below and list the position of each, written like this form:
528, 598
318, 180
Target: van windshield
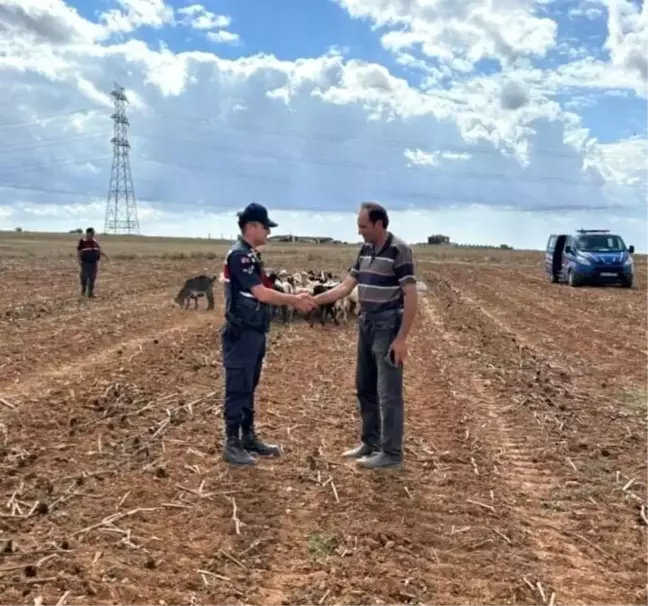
600, 243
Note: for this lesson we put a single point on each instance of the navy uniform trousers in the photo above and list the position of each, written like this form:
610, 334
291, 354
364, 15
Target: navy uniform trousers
88, 276
243, 355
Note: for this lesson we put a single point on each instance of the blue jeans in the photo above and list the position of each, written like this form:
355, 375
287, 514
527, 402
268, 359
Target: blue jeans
379, 383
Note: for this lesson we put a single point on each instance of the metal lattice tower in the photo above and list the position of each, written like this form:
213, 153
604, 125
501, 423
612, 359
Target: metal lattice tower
121, 206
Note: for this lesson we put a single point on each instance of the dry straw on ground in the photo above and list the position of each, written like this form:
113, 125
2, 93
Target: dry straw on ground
525, 457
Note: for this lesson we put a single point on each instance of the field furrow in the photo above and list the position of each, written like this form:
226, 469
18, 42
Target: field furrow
524, 474
559, 494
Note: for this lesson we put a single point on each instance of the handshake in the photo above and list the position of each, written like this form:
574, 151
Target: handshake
305, 302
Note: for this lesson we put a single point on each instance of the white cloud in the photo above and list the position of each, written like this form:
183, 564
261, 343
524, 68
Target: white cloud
587, 9
418, 157
324, 133
459, 33
198, 17
137, 13
223, 37
627, 38
34, 21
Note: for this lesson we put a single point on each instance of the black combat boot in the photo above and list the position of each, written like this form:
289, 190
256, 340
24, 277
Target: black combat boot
253, 445
235, 454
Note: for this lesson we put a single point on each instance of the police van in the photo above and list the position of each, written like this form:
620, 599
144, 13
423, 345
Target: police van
589, 256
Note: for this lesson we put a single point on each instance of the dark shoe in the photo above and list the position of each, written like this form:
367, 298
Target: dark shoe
380, 460
235, 454
364, 450
255, 446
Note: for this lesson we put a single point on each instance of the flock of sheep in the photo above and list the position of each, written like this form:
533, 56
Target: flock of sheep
314, 283
311, 282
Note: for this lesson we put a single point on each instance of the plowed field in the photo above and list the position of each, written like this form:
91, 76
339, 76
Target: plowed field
525, 472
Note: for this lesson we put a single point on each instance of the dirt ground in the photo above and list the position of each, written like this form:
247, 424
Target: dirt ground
525, 472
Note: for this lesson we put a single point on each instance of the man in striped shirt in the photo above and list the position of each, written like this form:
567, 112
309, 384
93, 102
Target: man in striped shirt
384, 274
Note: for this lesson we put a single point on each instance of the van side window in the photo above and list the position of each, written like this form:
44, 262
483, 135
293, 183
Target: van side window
552, 243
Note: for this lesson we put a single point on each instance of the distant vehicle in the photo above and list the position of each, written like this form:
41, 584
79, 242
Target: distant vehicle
589, 256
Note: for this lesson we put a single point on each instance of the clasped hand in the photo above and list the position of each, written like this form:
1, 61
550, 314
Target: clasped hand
305, 302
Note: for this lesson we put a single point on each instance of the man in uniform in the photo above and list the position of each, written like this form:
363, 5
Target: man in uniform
248, 299
89, 253
384, 273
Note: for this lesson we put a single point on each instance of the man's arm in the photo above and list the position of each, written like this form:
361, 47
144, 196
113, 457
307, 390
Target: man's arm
339, 291
344, 288
79, 249
404, 270
410, 306
241, 268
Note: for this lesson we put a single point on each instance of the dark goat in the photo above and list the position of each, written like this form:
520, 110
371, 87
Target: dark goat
323, 310
198, 286
320, 276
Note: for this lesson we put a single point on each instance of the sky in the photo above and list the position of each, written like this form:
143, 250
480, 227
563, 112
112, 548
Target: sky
490, 121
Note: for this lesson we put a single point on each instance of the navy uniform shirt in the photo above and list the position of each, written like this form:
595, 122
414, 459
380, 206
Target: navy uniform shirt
89, 250
381, 274
242, 271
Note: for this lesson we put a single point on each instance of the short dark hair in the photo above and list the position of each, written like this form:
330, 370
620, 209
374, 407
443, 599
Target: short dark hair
376, 213
243, 221
90, 230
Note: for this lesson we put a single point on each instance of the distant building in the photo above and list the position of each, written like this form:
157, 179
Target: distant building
304, 239
438, 239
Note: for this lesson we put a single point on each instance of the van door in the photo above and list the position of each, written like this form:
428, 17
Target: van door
554, 257
549, 250
566, 257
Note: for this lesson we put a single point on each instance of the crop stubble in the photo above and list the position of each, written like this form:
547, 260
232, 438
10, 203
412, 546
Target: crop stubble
524, 473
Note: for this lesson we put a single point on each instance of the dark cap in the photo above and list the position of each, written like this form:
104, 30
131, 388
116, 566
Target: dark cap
255, 213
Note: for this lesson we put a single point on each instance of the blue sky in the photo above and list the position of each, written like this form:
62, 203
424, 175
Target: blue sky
498, 125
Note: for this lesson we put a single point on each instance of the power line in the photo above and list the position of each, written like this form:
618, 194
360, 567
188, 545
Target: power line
363, 166
48, 118
382, 141
234, 153
215, 126
54, 164
426, 196
57, 141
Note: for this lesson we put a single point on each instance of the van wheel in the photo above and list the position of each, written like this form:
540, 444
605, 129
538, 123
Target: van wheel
626, 283
572, 280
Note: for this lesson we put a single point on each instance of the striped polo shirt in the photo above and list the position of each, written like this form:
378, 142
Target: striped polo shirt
382, 274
